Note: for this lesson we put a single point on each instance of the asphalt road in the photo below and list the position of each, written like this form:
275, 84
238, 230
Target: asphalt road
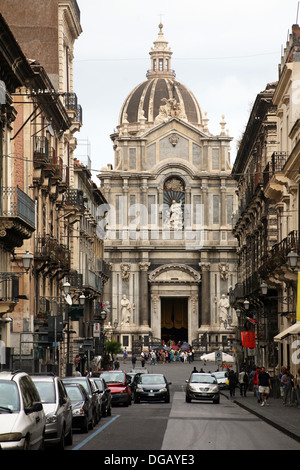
180, 426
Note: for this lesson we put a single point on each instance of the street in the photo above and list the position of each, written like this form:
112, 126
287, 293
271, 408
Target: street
180, 426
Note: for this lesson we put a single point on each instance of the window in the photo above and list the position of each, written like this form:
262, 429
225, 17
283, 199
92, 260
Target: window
161, 62
216, 209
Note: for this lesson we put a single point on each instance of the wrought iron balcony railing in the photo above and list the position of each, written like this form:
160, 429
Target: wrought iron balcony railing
15, 203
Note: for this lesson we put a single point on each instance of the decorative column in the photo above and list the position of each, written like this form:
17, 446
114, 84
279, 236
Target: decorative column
144, 266
205, 294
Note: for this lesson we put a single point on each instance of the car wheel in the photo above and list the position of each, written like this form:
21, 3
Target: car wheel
85, 427
109, 411
136, 400
104, 411
26, 443
69, 438
188, 399
167, 400
217, 401
61, 444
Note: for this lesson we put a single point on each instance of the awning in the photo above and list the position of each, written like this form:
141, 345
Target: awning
292, 330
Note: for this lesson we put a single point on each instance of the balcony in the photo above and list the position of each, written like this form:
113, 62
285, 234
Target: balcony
273, 177
9, 291
73, 108
49, 252
17, 216
73, 198
277, 256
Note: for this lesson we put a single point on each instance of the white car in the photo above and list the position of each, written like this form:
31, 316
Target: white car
58, 410
22, 418
222, 378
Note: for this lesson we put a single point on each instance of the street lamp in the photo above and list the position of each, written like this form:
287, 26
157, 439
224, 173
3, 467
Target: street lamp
27, 260
264, 288
246, 304
292, 259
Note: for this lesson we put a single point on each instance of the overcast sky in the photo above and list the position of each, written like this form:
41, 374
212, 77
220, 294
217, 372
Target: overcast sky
225, 52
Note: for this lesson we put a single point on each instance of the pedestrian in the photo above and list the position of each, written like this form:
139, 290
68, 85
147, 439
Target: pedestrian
133, 360
279, 377
232, 383
243, 381
125, 356
255, 384
297, 387
116, 364
77, 372
287, 384
264, 386
143, 359
194, 371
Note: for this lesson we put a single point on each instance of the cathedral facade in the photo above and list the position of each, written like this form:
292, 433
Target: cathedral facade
168, 222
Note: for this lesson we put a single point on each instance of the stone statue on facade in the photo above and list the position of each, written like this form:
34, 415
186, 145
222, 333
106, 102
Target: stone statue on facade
176, 215
125, 310
223, 308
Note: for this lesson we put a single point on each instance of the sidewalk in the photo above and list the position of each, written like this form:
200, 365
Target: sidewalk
284, 418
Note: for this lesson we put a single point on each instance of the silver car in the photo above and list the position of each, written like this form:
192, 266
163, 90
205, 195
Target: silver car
202, 387
22, 418
58, 410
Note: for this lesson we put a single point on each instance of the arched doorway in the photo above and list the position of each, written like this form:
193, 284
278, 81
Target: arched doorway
174, 319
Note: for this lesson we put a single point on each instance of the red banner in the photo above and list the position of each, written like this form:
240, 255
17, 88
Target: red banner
248, 339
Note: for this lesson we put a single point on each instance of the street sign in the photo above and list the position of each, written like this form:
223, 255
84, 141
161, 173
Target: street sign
96, 330
218, 356
87, 345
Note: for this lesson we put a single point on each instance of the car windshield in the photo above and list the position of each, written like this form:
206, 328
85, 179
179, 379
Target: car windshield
74, 393
99, 384
206, 379
113, 378
79, 380
151, 379
9, 397
46, 391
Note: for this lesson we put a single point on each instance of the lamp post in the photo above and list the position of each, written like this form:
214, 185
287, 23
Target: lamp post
69, 301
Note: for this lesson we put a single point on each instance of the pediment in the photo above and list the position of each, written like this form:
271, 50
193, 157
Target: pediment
175, 274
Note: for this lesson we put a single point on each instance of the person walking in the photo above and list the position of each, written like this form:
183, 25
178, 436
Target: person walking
133, 360
125, 356
243, 381
286, 381
116, 364
232, 383
264, 386
297, 387
255, 384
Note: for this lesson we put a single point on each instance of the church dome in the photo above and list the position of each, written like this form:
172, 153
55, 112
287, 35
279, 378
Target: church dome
160, 97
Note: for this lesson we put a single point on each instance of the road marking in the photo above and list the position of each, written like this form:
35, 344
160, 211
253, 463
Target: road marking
83, 443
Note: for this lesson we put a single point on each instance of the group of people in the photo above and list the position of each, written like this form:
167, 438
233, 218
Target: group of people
166, 356
259, 381
289, 383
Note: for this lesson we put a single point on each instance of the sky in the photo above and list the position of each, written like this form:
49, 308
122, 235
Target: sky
225, 52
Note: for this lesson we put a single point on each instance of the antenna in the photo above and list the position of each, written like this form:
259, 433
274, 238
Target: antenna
297, 13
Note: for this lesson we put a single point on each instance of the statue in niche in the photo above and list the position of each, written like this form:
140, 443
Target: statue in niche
176, 215
125, 271
223, 308
125, 310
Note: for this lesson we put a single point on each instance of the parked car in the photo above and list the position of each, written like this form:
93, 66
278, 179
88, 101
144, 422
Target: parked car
118, 383
92, 392
58, 410
22, 417
222, 378
202, 387
82, 407
152, 387
105, 394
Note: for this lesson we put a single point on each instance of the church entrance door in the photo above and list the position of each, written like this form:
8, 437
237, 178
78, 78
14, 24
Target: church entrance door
174, 319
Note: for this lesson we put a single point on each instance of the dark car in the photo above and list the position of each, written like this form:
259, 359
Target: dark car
92, 392
118, 383
202, 387
133, 376
82, 407
105, 394
152, 387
